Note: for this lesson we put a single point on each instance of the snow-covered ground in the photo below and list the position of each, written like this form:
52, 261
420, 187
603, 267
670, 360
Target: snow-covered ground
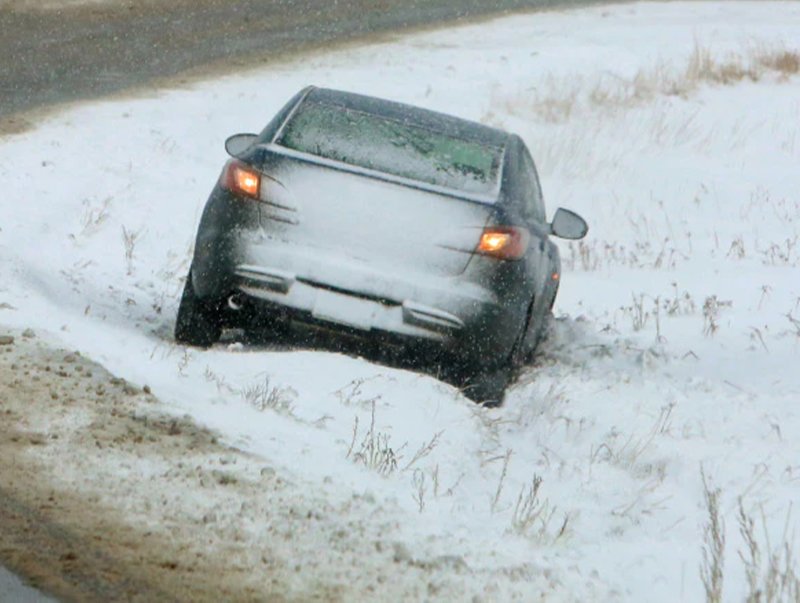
677, 346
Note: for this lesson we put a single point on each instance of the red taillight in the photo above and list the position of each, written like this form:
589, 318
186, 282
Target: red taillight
504, 242
241, 179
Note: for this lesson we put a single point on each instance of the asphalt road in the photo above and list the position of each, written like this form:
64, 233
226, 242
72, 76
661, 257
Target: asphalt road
60, 55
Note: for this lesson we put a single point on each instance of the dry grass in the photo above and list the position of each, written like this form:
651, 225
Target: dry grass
529, 507
711, 310
502, 480
773, 579
424, 450
712, 568
94, 215
560, 98
374, 450
593, 255
262, 396
704, 67
770, 571
129, 240
780, 60
533, 516
629, 454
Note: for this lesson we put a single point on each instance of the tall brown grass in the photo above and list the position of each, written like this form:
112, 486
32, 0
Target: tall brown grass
559, 98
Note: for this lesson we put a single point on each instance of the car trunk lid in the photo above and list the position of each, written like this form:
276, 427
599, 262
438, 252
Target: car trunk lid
325, 223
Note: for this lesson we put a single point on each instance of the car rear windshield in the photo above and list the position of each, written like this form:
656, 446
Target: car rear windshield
393, 147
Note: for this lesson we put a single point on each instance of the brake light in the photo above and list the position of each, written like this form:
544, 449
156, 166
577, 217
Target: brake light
242, 179
504, 242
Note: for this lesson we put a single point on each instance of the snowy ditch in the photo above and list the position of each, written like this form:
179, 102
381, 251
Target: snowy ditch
673, 128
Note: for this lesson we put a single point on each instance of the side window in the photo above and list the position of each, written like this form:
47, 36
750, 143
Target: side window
530, 188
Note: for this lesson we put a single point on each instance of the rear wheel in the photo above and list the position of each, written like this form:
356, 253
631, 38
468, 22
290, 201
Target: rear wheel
546, 326
526, 342
487, 387
535, 332
198, 322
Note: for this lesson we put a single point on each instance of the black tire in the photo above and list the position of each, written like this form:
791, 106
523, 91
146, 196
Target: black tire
546, 327
488, 387
543, 328
198, 322
520, 353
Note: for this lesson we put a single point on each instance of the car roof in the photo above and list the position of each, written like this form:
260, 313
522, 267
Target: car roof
424, 118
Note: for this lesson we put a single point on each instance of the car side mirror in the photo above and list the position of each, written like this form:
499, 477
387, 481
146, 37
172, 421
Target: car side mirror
239, 143
567, 224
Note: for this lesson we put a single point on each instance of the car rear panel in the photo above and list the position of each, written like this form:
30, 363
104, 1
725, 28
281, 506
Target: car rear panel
365, 252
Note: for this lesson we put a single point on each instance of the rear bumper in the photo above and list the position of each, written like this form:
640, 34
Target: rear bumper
357, 311
459, 324
395, 325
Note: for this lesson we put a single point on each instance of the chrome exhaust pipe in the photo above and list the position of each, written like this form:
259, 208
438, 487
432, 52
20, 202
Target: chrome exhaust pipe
235, 302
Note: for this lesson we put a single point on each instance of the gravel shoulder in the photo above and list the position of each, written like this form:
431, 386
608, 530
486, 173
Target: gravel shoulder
103, 497
70, 525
